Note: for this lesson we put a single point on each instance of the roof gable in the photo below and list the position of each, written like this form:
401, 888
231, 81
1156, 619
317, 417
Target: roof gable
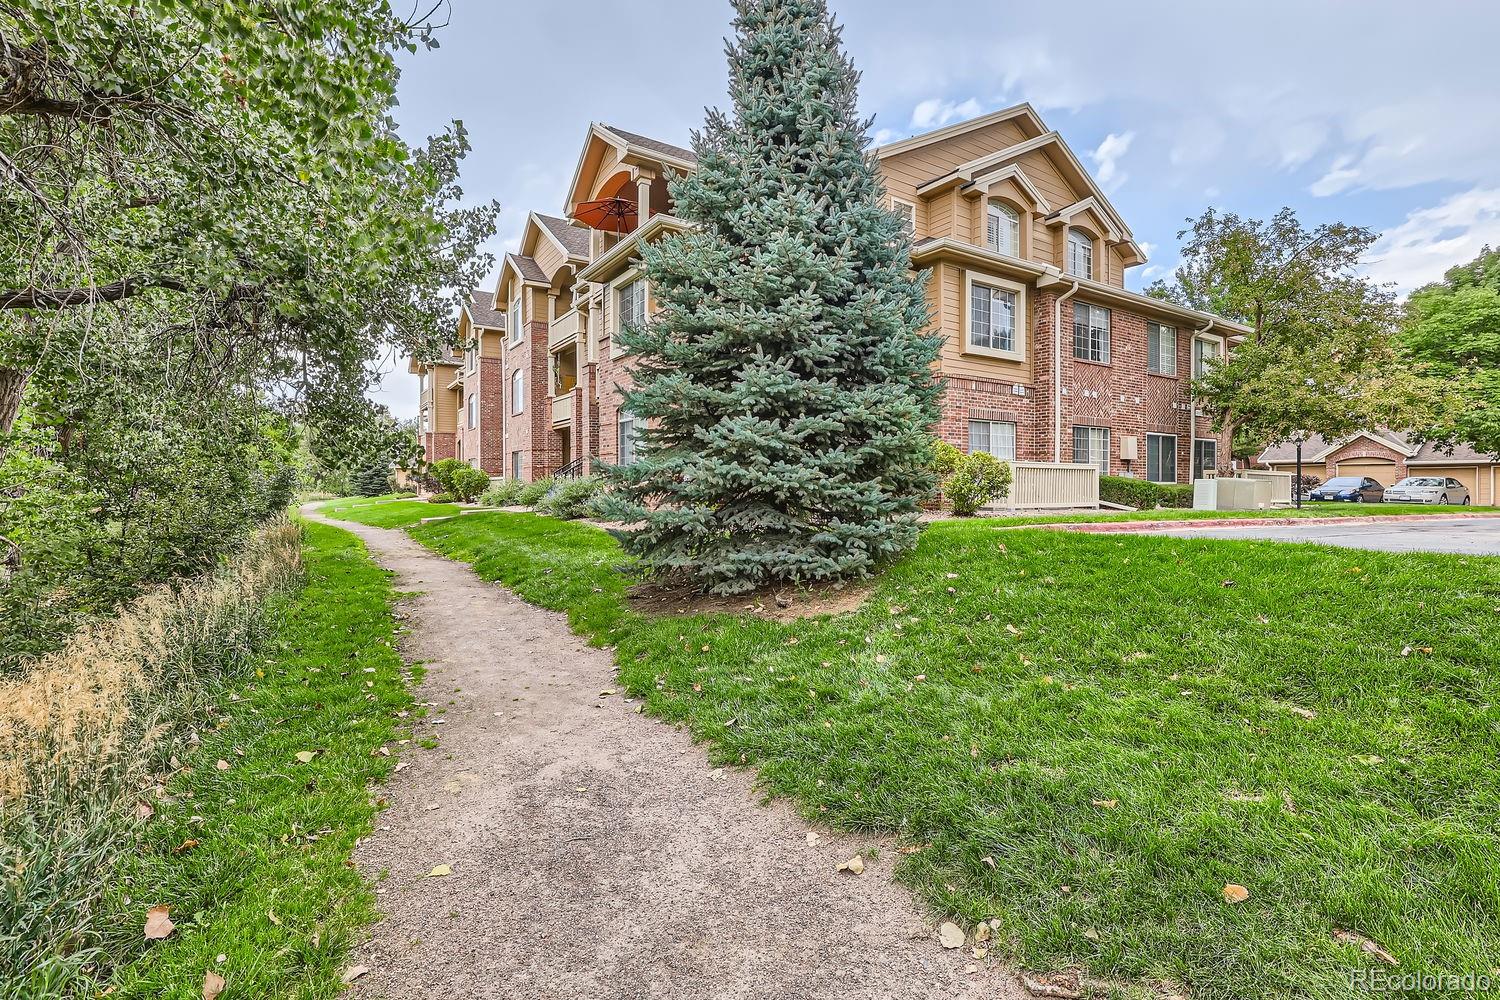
1023, 114
627, 147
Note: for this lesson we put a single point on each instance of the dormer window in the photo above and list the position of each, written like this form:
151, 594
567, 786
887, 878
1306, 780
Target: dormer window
1080, 262
517, 320
1004, 229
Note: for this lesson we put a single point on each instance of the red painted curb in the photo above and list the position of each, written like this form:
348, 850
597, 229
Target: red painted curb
1249, 522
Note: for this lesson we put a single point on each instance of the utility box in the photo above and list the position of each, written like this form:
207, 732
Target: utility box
1127, 449
1227, 494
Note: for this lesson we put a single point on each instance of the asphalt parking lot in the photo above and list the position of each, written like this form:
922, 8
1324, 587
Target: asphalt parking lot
1467, 536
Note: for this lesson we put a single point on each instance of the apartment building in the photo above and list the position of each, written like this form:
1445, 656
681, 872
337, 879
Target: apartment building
1047, 356
459, 402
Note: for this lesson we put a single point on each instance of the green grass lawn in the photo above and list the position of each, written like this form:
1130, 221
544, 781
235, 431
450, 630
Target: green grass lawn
384, 512
1307, 510
251, 857
1090, 736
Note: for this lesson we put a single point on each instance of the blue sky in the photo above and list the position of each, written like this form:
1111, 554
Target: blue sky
1374, 113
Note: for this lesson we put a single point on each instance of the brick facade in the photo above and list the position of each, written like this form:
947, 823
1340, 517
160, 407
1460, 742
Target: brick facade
437, 446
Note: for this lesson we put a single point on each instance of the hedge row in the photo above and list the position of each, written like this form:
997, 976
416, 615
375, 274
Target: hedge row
1144, 495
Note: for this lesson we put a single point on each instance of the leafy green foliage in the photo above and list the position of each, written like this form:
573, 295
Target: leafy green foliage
571, 498
1143, 494
1453, 326
1323, 356
503, 494
467, 483
786, 375
977, 479
532, 493
945, 459
372, 481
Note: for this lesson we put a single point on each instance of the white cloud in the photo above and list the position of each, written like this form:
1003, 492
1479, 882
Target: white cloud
936, 112
1340, 177
1107, 160
1431, 240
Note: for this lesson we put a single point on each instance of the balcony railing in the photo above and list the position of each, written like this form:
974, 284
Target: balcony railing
562, 409
565, 329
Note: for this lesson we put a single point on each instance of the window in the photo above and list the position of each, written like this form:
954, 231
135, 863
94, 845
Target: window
1205, 354
1090, 332
471, 358
908, 213
633, 304
473, 410
1161, 349
517, 319
1004, 230
998, 437
1161, 458
992, 318
1080, 262
1205, 456
1091, 447
629, 436
426, 421
515, 465
517, 390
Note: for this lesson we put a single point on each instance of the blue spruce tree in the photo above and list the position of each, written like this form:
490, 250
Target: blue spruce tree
786, 374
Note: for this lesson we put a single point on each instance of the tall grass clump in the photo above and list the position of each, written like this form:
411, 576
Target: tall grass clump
88, 735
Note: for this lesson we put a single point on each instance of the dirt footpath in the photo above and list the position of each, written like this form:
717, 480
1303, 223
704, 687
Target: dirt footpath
594, 852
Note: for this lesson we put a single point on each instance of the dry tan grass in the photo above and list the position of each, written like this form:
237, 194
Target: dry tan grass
85, 710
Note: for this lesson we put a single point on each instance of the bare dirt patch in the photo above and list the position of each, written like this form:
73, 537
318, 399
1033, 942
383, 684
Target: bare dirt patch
780, 604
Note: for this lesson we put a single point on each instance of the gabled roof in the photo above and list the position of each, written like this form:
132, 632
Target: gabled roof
1023, 113
1063, 216
482, 312
1416, 451
1396, 442
655, 145
527, 269
1022, 181
573, 240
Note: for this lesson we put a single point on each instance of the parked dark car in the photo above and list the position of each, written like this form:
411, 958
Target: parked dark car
1350, 489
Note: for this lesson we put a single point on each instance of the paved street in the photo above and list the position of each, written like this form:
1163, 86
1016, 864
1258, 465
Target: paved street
1472, 536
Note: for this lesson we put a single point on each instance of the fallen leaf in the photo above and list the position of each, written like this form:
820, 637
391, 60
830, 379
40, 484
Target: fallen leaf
1235, 893
1063, 986
1106, 803
812, 839
143, 811
213, 985
988, 860
354, 972
185, 846
158, 924
305, 756
950, 935
222, 765
271, 915
981, 933
440, 871
1305, 713
854, 866
1012, 629
1227, 583
1365, 945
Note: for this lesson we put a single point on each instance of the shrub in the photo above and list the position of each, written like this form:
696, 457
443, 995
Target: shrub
571, 498
442, 471
467, 483
945, 459
441, 498
502, 495
1143, 494
532, 493
977, 479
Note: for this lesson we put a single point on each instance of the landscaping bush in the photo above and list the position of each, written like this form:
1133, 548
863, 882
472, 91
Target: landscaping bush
441, 473
532, 493
571, 498
977, 479
467, 483
441, 498
1144, 495
503, 495
945, 459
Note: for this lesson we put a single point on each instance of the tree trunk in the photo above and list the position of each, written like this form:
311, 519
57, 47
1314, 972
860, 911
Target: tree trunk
12, 386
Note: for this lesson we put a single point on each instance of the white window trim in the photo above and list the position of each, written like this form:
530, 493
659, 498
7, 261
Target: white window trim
1220, 344
1173, 439
998, 206
906, 204
1109, 333
1154, 357
1014, 434
517, 399
623, 417
1068, 252
1022, 314
1193, 459
617, 315
1104, 452
472, 407
517, 323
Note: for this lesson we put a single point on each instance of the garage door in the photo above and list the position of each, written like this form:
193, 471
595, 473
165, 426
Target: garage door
1478, 486
1381, 471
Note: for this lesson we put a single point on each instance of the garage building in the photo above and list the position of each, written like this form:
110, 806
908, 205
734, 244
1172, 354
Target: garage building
1388, 458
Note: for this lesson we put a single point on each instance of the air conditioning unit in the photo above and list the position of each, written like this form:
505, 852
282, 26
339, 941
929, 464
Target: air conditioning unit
1127, 449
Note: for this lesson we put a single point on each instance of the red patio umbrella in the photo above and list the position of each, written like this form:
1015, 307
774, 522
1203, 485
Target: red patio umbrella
612, 215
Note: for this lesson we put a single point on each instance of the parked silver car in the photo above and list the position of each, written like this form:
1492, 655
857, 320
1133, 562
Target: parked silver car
1428, 489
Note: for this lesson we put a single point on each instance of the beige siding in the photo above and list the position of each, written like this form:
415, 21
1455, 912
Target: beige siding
952, 316
547, 256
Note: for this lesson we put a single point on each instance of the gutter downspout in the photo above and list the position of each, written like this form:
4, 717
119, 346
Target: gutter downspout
1057, 371
1193, 400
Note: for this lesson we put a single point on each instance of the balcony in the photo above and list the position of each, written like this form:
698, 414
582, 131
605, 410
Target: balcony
562, 409
566, 329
